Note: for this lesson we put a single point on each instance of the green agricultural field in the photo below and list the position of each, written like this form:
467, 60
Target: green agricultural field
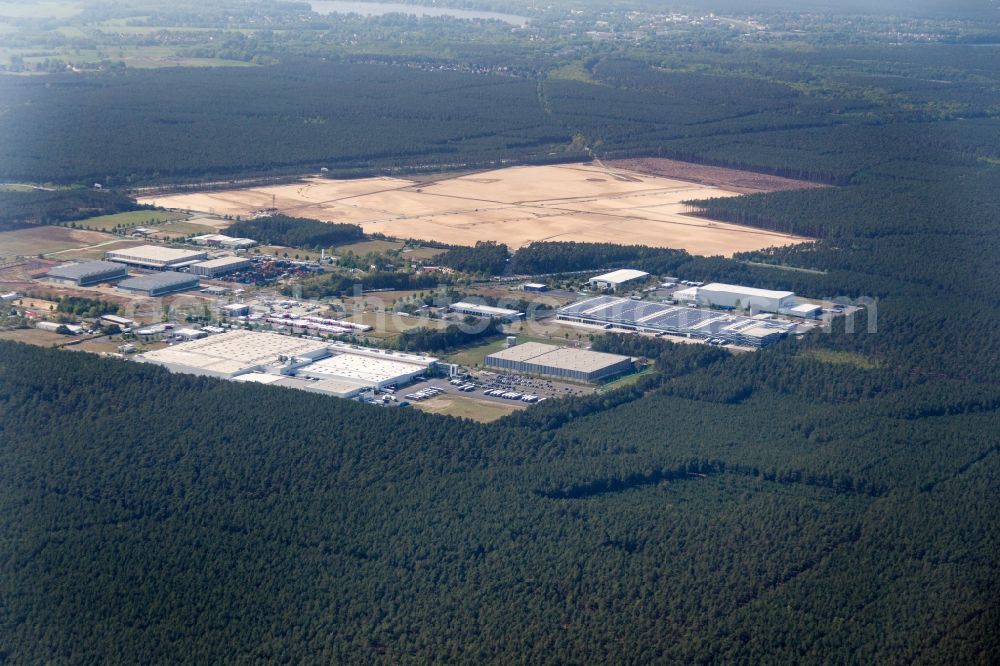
364, 247
473, 356
131, 218
137, 57
423, 253
182, 228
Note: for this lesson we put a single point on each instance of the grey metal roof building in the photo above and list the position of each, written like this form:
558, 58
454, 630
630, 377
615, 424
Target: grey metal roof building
479, 310
220, 266
535, 358
645, 316
159, 284
87, 273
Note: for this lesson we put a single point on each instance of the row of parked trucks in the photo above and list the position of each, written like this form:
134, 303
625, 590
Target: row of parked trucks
468, 387
424, 394
514, 395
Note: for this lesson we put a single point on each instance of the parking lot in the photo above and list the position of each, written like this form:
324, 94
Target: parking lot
485, 381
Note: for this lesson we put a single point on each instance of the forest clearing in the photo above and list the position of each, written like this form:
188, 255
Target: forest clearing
515, 205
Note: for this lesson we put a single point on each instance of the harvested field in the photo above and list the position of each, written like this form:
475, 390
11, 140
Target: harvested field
483, 411
101, 292
38, 304
34, 336
24, 270
517, 205
216, 224
423, 253
391, 324
33, 241
96, 251
732, 179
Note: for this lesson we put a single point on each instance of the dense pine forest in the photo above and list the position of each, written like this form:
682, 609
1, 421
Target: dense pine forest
830, 499
840, 116
315, 115
296, 231
20, 208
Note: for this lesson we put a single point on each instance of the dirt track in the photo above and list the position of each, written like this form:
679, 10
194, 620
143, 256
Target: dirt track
733, 179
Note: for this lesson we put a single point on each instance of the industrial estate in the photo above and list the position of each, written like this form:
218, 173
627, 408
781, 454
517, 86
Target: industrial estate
474, 332
192, 297
246, 329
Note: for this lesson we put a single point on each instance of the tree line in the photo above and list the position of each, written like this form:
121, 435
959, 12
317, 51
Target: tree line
296, 231
19, 209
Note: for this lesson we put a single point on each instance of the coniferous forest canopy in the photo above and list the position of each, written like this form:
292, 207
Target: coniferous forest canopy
296, 231
830, 499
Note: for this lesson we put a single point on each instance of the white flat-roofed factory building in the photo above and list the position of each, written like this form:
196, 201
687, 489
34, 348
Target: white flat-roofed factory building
340, 388
234, 353
159, 284
806, 311
235, 310
87, 273
376, 368
535, 358
651, 317
615, 280
478, 310
720, 295
332, 368
156, 256
221, 240
220, 266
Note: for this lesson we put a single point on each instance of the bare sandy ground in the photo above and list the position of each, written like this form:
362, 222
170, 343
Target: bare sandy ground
734, 179
516, 205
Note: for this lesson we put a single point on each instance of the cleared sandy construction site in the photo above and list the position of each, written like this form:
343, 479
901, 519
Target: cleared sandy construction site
516, 205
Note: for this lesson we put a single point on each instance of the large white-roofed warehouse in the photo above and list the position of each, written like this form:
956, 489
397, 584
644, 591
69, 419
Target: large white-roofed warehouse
650, 317
581, 365
615, 280
237, 352
160, 284
87, 273
332, 368
722, 295
156, 256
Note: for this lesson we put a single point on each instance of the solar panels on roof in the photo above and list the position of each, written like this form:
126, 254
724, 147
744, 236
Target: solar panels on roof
673, 319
